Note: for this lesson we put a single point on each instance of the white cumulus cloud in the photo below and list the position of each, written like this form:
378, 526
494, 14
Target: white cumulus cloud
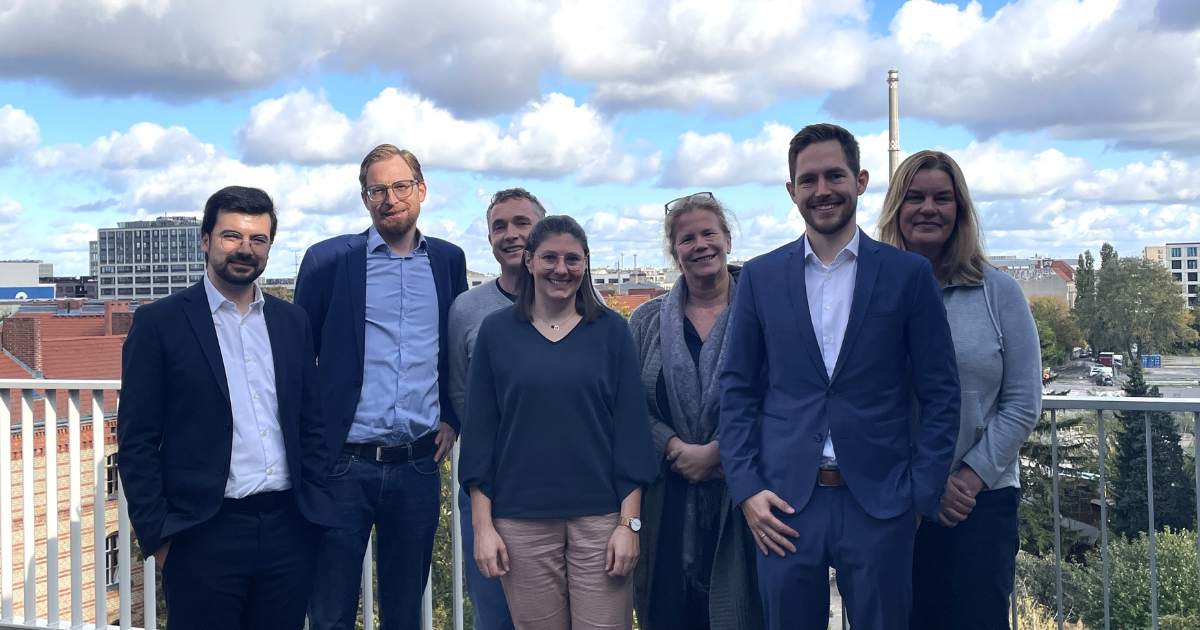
18, 132
549, 138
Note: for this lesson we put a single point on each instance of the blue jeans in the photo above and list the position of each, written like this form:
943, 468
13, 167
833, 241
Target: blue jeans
487, 594
402, 502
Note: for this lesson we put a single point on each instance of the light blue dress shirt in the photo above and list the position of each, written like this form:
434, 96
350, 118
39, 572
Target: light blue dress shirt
830, 293
258, 459
399, 400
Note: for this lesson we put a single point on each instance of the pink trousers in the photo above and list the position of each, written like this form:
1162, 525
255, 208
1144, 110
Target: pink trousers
556, 578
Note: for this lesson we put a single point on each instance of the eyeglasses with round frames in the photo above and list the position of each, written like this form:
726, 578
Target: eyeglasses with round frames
231, 241
550, 260
675, 203
402, 188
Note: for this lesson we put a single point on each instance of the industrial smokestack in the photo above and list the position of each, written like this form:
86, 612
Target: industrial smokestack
893, 123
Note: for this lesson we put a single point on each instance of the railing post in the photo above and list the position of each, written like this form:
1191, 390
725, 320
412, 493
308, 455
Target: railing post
1150, 509
124, 559
1196, 452
427, 602
28, 534
456, 546
149, 595
99, 518
1103, 515
53, 562
1058, 589
74, 486
6, 515
368, 586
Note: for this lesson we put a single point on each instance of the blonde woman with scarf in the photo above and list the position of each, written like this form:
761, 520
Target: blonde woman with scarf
696, 570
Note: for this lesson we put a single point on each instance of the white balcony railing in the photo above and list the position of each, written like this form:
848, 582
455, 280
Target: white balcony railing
36, 596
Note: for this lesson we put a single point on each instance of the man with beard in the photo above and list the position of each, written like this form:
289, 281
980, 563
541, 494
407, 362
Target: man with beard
223, 454
510, 216
817, 446
379, 303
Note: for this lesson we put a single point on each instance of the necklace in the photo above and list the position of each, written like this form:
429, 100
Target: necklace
557, 327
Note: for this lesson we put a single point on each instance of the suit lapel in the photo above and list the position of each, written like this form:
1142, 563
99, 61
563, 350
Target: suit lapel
200, 317
864, 284
356, 279
798, 291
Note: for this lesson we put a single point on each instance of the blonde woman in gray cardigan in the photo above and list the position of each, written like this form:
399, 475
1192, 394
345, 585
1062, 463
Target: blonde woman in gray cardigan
963, 565
695, 571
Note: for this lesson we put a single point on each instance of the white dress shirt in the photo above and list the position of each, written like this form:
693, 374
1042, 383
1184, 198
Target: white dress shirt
259, 460
830, 293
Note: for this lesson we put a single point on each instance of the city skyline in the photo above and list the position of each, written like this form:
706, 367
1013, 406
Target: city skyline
1075, 121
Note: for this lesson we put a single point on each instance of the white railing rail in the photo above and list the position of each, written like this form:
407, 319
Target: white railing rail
42, 555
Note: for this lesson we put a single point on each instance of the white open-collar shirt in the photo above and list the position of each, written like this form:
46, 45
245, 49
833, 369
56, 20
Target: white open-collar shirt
830, 292
258, 462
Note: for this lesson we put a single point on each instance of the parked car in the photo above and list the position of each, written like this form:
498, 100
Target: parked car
1096, 369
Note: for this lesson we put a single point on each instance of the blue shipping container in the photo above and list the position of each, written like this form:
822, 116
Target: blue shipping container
1152, 360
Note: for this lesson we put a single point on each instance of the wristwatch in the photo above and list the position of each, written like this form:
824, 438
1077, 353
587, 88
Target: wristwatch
633, 523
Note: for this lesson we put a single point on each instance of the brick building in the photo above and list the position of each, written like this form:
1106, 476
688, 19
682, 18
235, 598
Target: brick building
72, 346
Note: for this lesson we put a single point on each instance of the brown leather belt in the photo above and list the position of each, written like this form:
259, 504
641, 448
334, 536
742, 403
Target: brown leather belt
830, 477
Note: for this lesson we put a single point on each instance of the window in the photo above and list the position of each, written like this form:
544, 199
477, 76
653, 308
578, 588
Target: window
178, 268
1177, 264
111, 557
1176, 251
125, 269
142, 269
161, 290
108, 292
143, 291
1191, 251
110, 475
125, 280
178, 279
128, 291
142, 280
1191, 277
108, 269
160, 268
112, 280
198, 278
1192, 288
1192, 264
199, 267
161, 279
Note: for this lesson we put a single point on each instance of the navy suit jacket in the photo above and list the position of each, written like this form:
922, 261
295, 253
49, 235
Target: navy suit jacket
175, 423
897, 344
332, 288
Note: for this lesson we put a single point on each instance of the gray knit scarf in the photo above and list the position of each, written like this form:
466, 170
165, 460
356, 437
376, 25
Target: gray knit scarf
695, 409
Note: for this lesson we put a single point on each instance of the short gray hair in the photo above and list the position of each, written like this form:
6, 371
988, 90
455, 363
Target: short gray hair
509, 194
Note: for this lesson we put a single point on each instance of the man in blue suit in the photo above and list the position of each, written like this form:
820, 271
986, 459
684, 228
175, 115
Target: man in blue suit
223, 454
833, 337
379, 304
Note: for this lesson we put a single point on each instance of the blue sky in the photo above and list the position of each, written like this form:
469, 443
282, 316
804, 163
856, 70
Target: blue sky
1076, 121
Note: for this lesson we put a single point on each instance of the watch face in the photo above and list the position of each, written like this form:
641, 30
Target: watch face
635, 524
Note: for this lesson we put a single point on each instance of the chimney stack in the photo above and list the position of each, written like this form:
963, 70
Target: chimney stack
893, 123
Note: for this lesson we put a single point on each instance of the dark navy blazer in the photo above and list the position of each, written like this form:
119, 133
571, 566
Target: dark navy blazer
897, 344
175, 422
332, 288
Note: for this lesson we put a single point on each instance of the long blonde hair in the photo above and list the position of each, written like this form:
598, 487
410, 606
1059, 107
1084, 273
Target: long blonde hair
963, 255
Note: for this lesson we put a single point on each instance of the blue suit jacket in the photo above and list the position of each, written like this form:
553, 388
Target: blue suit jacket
778, 402
332, 288
175, 422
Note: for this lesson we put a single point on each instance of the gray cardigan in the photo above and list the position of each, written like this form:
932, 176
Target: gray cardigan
733, 591
1000, 370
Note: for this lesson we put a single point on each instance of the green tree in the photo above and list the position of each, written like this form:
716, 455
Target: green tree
1085, 296
1138, 304
1129, 583
1052, 313
1174, 489
1076, 451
